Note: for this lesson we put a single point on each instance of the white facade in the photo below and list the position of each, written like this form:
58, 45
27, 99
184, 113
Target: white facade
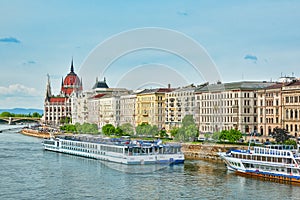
79, 103
127, 109
227, 106
109, 110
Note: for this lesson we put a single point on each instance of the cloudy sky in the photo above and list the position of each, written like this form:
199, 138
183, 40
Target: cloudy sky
245, 40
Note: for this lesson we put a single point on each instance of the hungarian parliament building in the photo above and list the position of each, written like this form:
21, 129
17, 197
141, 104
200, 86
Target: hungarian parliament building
249, 106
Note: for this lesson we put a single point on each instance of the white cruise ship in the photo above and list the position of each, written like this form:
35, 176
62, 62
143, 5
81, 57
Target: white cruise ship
125, 151
277, 162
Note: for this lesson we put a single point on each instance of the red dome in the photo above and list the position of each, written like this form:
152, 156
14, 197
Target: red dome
71, 83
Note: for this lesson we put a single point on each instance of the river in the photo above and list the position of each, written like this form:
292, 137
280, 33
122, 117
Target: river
29, 172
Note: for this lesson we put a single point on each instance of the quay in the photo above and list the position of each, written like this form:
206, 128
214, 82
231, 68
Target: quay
35, 133
202, 151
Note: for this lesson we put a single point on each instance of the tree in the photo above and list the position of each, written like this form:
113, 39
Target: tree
6, 114
188, 131
108, 129
69, 128
174, 131
65, 120
146, 129
188, 120
291, 142
281, 135
36, 115
231, 135
162, 133
118, 131
127, 129
87, 128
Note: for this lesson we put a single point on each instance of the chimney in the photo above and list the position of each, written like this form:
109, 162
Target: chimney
169, 86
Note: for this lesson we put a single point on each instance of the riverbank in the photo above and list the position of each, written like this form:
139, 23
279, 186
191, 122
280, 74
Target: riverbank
202, 151
35, 133
206, 151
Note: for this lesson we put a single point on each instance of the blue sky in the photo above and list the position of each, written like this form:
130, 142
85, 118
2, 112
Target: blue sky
247, 40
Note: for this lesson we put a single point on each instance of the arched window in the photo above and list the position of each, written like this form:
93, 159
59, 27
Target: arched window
287, 114
291, 114
296, 114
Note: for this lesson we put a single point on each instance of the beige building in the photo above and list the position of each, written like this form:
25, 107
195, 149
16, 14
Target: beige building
150, 107
127, 109
179, 103
291, 107
86, 106
269, 109
109, 110
227, 106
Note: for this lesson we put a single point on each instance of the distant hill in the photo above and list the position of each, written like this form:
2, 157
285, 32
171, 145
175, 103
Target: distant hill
22, 110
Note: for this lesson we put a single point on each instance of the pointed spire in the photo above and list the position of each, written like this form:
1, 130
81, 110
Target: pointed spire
48, 89
72, 67
62, 81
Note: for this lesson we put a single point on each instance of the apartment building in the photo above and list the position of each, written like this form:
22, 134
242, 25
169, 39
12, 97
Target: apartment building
269, 108
291, 107
179, 103
226, 106
150, 107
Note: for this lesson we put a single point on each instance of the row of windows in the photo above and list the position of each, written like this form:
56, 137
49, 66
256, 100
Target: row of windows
265, 158
291, 114
226, 96
292, 99
292, 127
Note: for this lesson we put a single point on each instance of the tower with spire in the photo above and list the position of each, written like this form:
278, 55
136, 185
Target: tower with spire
57, 108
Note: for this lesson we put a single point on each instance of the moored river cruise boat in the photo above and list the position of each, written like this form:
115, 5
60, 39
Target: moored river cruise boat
125, 151
272, 162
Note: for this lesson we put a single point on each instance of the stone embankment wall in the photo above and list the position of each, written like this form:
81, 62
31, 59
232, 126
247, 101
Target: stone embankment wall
206, 151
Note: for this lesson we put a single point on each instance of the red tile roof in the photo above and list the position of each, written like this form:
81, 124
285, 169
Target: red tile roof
58, 99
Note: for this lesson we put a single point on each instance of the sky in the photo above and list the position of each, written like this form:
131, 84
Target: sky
234, 40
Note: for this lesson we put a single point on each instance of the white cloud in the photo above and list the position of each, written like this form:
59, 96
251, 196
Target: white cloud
18, 90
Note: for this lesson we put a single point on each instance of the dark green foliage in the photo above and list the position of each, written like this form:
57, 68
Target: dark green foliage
174, 131
118, 131
162, 133
291, 142
280, 135
108, 129
69, 128
65, 120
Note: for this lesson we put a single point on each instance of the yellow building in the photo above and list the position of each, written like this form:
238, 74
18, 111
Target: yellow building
150, 107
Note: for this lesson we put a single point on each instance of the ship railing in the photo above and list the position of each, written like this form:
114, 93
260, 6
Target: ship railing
275, 152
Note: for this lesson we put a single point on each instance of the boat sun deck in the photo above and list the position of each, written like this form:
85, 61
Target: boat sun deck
122, 150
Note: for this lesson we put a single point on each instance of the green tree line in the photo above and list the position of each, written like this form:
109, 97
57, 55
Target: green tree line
8, 114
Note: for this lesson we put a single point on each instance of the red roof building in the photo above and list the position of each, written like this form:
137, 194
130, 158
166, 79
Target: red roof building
57, 109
